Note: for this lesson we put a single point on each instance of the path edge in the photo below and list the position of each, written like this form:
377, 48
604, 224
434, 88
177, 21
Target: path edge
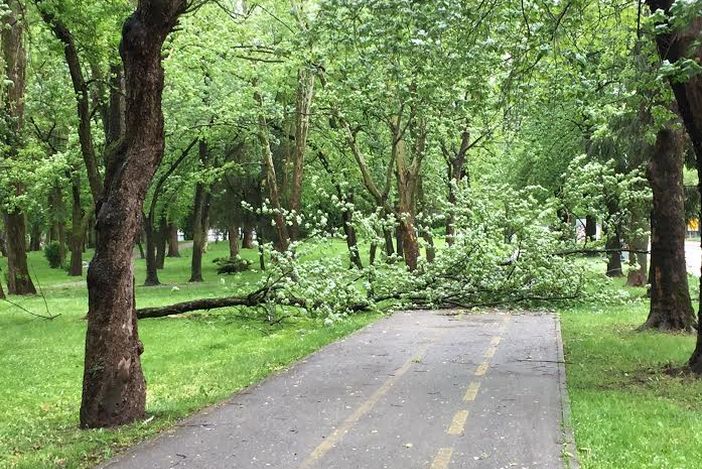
570, 453
193, 416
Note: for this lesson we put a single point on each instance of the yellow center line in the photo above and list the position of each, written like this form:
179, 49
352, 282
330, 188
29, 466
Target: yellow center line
482, 369
490, 352
472, 391
442, 459
363, 409
495, 341
458, 423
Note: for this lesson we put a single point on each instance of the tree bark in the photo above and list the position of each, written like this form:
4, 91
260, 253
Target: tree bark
674, 46
151, 267
590, 228
161, 240
79, 229
114, 389
407, 178
247, 240
346, 214
173, 246
671, 307
11, 122
35, 237
456, 162
200, 220
614, 258
282, 241
233, 235
303, 107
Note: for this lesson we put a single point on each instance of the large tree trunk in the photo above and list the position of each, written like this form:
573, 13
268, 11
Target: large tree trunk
671, 307
674, 46
406, 188
12, 120
173, 247
114, 390
303, 107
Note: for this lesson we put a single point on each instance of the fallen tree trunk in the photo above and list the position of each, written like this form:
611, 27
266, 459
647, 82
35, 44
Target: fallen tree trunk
199, 305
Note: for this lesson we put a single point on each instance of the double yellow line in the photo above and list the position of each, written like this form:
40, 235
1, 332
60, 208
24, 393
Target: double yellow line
442, 460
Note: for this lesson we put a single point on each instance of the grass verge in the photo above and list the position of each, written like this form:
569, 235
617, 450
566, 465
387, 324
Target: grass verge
189, 362
627, 411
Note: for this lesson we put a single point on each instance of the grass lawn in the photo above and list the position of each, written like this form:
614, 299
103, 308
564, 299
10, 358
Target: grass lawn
627, 411
189, 362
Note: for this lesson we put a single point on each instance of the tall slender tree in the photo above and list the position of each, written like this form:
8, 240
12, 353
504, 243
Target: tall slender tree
14, 55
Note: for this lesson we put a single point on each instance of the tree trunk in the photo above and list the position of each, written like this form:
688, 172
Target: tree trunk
303, 107
35, 238
247, 241
18, 281
151, 267
161, 240
346, 214
282, 241
200, 220
671, 307
14, 58
173, 247
399, 242
114, 389
78, 229
614, 258
389, 246
590, 228
198, 235
674, 46
233, 234
3, 244
456, 174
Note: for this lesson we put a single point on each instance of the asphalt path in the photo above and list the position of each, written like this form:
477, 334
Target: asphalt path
415, 390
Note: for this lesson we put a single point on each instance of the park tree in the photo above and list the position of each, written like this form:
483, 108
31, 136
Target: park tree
677, 37
114, 389
14, 59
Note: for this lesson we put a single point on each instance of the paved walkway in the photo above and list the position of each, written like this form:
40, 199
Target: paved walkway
416, 390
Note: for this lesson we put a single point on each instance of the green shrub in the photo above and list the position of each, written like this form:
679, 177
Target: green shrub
52, 252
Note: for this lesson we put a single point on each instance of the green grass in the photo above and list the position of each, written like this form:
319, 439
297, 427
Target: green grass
189, 362
627, 411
